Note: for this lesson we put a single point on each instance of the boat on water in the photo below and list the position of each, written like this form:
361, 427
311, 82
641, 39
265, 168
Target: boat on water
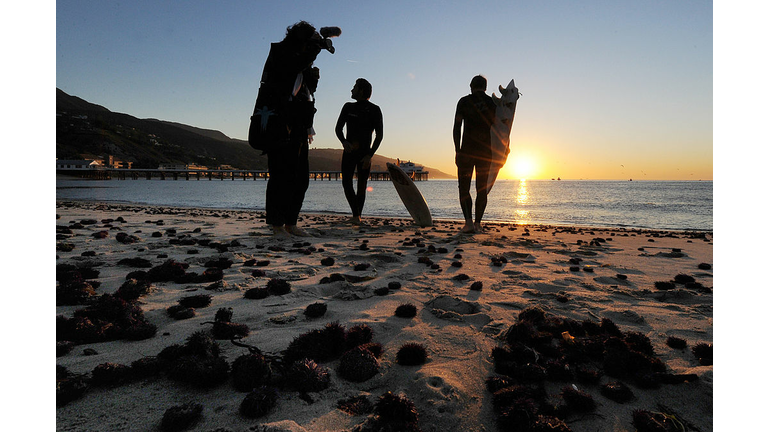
410, 167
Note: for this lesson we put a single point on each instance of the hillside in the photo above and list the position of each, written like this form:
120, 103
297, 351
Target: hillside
88, 131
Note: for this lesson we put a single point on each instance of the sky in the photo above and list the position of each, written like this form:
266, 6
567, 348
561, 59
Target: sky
610, 89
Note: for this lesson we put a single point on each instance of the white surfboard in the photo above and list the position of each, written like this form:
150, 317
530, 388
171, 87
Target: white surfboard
410, 196
505, 114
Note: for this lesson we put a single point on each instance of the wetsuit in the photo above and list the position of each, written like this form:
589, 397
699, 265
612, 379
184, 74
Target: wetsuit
362, 118
477, 112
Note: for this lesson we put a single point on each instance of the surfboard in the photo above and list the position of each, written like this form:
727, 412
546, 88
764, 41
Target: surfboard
505, 114
410, 196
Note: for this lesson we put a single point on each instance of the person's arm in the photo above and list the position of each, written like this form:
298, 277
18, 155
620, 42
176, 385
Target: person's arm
457, 120
378, 129
340, 127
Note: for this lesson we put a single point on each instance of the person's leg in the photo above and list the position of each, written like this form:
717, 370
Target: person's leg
482, 169
362, 186
464, 171
348, 162
277, 186
298, 187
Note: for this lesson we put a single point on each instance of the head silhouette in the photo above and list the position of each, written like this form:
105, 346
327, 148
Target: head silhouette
364, 88
478, 83
300, 32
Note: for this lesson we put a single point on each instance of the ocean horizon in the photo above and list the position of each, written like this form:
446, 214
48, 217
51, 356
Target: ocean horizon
642, 204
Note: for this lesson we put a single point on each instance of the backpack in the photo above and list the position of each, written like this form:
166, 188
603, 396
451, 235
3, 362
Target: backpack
269, 122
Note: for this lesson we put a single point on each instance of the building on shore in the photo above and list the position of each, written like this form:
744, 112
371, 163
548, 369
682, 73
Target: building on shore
76, 165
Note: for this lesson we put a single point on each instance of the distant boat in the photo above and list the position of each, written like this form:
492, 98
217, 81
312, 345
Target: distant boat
410, 167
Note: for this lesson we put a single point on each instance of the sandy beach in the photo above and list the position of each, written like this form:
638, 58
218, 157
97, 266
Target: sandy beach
515, 307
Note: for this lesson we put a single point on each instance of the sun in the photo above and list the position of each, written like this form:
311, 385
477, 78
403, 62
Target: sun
521, 167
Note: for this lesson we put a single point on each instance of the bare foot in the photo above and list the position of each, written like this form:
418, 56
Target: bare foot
294, 230
279, 231
478, 227
355, 220
468, 228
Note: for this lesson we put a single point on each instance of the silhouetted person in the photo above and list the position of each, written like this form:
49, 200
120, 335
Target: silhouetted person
362, 118
477, 113
286, 98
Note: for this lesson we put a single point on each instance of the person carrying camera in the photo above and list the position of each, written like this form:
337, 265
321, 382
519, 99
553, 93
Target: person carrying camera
288, 84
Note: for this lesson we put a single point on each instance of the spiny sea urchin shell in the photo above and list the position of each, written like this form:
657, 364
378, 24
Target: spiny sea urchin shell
617, 391
319, 345
406, 310
393, 408
277, 286
411, 354
223, 315
704, 353
259, 402
577, 399
359, 334
315, 310
256, 293
250, 371
181, 417
196, 301
308, 376
358, 365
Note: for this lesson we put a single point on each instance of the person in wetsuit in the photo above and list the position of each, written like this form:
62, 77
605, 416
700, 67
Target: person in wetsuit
476, 112
362, 118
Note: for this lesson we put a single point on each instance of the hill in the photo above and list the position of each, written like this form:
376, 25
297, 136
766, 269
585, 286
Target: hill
88, 131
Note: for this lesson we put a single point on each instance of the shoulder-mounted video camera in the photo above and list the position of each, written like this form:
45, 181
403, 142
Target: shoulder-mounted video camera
324, 39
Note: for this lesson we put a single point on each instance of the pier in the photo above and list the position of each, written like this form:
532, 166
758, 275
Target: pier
212, 174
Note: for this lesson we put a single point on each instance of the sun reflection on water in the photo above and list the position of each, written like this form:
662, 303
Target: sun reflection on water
522, 199
522, 192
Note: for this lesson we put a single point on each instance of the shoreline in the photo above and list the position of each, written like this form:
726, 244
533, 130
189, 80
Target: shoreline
468, 290
639, 230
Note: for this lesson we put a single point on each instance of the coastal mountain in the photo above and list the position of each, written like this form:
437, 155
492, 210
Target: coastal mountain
88, 131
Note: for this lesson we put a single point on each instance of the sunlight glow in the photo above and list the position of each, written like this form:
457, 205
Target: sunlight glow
521, 167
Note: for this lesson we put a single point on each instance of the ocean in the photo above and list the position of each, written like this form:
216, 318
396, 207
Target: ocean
657, 205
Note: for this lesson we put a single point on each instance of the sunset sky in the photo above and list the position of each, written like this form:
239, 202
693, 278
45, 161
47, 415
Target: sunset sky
611, 89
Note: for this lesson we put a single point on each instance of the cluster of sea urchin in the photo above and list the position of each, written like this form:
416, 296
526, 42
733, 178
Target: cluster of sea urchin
540, 347
108, 318
197, 362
